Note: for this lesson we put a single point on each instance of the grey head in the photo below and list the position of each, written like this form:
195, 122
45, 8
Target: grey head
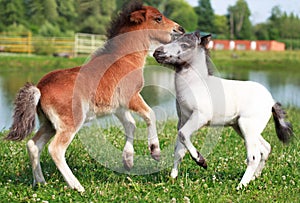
180, 52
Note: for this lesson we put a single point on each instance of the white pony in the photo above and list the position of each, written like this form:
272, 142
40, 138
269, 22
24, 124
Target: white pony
203, 99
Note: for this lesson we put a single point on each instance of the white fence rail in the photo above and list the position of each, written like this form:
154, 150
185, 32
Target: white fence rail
87, 43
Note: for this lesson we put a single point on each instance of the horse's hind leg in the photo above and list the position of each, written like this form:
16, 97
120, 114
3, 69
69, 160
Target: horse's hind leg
57, 149
251, 133
265, 149
129, 125
35, 147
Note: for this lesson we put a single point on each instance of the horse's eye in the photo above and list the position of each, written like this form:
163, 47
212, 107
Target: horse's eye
158, 19
184, 46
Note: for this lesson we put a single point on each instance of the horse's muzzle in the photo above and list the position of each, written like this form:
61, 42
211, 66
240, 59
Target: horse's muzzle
177, 32
159, 54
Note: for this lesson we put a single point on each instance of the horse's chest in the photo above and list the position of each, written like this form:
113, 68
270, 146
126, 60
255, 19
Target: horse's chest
191, 92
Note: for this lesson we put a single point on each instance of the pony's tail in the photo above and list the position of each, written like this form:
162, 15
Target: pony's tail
24, 112
283, 128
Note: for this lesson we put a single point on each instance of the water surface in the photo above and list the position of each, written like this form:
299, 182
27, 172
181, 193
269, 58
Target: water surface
159, 88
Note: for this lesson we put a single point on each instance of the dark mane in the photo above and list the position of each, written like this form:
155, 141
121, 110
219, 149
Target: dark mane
209, 63
122, 18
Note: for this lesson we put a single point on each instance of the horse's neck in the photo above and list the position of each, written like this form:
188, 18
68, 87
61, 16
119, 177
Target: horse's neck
129, 45
199, 64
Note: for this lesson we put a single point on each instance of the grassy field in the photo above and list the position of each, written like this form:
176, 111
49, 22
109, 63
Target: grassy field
222, 59
280, 180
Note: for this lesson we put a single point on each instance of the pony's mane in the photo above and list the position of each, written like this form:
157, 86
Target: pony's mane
209, 63
118, 22
122, 18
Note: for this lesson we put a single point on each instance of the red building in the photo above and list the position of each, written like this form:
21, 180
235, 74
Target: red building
265, 45
259, 45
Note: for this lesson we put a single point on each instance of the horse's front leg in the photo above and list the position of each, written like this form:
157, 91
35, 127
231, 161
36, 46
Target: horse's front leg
138, 105
179, 153
129, 125
195, 121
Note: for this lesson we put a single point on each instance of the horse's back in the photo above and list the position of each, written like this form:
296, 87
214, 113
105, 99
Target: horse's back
251, 98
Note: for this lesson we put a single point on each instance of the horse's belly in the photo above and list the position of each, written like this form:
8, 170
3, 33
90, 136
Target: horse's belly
224, 120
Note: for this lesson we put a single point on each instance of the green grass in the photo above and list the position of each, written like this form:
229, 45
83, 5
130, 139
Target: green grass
20, 63
254, 60
280, 180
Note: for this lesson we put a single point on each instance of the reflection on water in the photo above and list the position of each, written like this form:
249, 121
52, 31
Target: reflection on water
159, 88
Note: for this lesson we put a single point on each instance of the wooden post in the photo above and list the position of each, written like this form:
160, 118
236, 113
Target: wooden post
29, 38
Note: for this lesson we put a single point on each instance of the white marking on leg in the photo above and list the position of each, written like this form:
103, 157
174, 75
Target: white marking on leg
35, 148
253, 144
34, 156
129, 125
265, 149
179, 153
57, 151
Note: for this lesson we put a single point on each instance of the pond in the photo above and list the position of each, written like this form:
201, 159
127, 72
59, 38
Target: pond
159, 88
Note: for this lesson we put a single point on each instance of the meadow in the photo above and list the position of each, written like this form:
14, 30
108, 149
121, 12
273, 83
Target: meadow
279, 182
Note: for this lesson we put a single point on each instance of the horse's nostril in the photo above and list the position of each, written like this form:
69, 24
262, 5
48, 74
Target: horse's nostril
160, 49
181, 29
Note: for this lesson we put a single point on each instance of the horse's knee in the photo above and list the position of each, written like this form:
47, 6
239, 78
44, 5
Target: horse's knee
55, 152
254, 159
32, 148
265, 153
181, 137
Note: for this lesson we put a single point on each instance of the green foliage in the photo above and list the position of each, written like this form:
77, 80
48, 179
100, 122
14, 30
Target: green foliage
240, 24
280, 26
206, 17
61, 18
221, 27
48, 30
181, 12
94, 16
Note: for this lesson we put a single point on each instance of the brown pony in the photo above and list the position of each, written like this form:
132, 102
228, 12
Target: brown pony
109, 83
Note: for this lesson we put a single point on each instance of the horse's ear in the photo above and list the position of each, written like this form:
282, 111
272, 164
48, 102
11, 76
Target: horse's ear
197, 34
205, 40
138, 16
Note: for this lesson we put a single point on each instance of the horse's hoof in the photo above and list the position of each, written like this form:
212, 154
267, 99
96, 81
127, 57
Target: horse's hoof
155, 152
201, 162
39, 182
79, 188
128, 161
174, 173
127, 166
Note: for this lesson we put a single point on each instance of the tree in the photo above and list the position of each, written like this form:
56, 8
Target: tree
221, 27
40, 11
67, 14
261, 31
240, 25
181, 12
12, 13
206, 17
